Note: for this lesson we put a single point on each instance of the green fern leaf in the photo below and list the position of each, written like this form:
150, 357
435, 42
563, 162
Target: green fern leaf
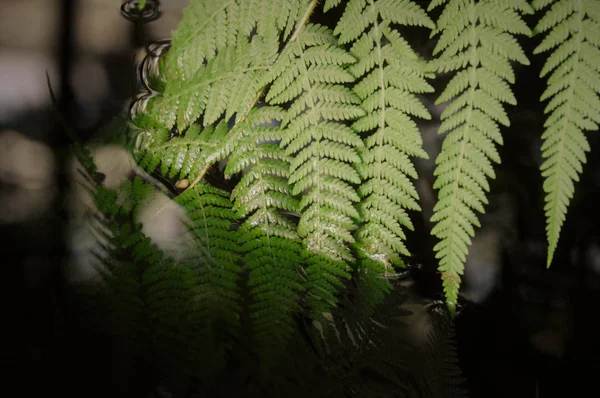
214, 252
481, 31
388, 74
573, 90
216, 66
324, 150
179, 156
269, 241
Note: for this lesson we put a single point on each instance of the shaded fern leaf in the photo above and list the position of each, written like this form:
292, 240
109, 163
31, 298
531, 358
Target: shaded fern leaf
213, 254
362, 350
443, 376
147, 302
388, 74
269, 241
308, 76
471, 32
574, 107
220, 54
179, 156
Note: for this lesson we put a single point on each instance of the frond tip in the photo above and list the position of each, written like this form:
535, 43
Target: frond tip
574, 107
471, 35
388, 74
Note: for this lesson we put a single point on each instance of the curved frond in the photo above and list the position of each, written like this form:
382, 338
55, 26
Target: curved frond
477, 40
388, 74
573, 30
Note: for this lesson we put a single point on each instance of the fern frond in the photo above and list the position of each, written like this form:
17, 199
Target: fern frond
483, 33
217, 63
574, 106
388, 73
269, 241
307, 76
178, 156
444, 376
214, 253
146, 300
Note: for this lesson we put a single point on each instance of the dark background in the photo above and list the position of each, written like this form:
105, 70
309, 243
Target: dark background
537, 330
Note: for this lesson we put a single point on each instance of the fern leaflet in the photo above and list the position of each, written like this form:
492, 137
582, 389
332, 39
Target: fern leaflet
308, 77
574, 106
388, 73
213, 254
470, 33
269, 241
221, 52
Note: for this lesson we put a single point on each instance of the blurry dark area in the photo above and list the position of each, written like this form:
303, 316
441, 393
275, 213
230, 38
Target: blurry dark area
532, 330
88, 51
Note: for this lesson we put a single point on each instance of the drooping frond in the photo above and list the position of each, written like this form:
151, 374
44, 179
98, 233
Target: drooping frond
574, 92
214, 253
269, 241
472, 37
388, 74
309, 76
221, 52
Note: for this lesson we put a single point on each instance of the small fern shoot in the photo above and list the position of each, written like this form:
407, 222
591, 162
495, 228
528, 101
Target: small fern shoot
574, 106
388, 73
308, 77
476, 40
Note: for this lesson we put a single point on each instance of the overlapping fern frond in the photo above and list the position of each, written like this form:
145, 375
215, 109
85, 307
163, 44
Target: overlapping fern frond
476, 40
179, 156
388, 74
147, 299
268, 239
574, 106
214, 254
221, 52
309, 77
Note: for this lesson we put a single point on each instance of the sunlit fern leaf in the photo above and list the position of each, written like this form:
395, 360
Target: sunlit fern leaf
573, 30
471, 119
220, 54
179, 156
329, 4
214, 253
308, 76
269, 241
388, 73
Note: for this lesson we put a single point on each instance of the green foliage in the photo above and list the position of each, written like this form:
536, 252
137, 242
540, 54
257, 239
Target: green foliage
268, 239
307, 78
574, 107
388, 74
469, 33
314, 131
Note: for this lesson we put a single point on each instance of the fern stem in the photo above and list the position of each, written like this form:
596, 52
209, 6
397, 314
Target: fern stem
304, 20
